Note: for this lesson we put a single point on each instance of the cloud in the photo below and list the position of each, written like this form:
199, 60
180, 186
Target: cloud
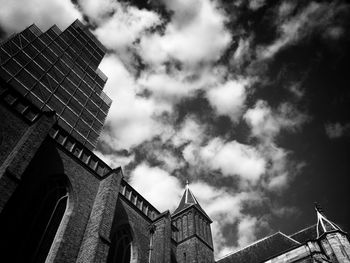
266, 123
195, 34
126, 25
17, 15
246, 230
337, 130
256, 4
132, 118
324, 19
230, 158
155, 184
229, 98
243, 52
190, 131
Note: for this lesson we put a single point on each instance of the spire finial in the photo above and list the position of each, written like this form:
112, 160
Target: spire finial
187, 183
318, 207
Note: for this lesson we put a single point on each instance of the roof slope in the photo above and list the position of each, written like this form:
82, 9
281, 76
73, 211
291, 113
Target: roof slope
188, 199
307, 234
262, 250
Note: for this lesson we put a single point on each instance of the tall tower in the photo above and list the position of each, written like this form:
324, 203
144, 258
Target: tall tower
193, 235
332, 238
58, 71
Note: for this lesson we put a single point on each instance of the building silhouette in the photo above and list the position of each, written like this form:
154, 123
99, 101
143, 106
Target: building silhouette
60, 203
58, 71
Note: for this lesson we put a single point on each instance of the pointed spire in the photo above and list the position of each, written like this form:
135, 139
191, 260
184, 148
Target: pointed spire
188, 199
324, 225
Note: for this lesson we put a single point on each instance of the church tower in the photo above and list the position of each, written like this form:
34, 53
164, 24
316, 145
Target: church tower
332, 238
193, 234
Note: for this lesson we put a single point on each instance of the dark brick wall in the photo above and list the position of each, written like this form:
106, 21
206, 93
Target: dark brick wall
194, 250
162, 239
12, 128
19, 141
52, 160
127, 214
96, 241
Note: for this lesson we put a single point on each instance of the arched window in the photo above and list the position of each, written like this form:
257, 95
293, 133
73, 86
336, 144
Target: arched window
121, 248
31, 217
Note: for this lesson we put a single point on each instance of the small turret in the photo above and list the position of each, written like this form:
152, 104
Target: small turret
332, 238
324, 225
193, 238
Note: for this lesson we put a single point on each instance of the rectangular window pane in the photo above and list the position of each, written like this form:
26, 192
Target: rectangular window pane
96, 98
61, 43
22, 58
56, 74
82, 127
74, 78
71, 53
12, 66
68, 60
87, 116
27, 79
92, 107
56, 49
10, 48
62, 67
43, 62
51, 33
85, 88
69, 86
48, 53
31, 51
69, 116
75, 106
34, 69
92, 136
41, 92
89, 81
97, 125
56, 105
3, 56
45, 39
63, 95
81, 97
39, 44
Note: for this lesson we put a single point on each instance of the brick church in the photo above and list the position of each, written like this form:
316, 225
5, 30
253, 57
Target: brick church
60, 203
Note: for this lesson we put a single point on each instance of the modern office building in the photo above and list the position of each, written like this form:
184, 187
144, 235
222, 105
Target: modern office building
60, 203
59, 71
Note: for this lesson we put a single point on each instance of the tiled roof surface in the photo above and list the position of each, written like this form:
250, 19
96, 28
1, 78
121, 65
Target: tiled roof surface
306, 234
261, 250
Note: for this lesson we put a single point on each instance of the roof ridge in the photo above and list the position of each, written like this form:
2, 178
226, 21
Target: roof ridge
290, 238
251, 244
299, 231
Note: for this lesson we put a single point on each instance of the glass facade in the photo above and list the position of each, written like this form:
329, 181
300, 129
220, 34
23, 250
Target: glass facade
59, 71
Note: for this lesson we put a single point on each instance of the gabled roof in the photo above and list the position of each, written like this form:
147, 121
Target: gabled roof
262, 250
188, 199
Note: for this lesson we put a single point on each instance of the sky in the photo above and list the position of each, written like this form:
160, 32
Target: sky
248, 100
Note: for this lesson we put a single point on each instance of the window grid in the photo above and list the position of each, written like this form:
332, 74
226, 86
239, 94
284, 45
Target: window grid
58, 71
